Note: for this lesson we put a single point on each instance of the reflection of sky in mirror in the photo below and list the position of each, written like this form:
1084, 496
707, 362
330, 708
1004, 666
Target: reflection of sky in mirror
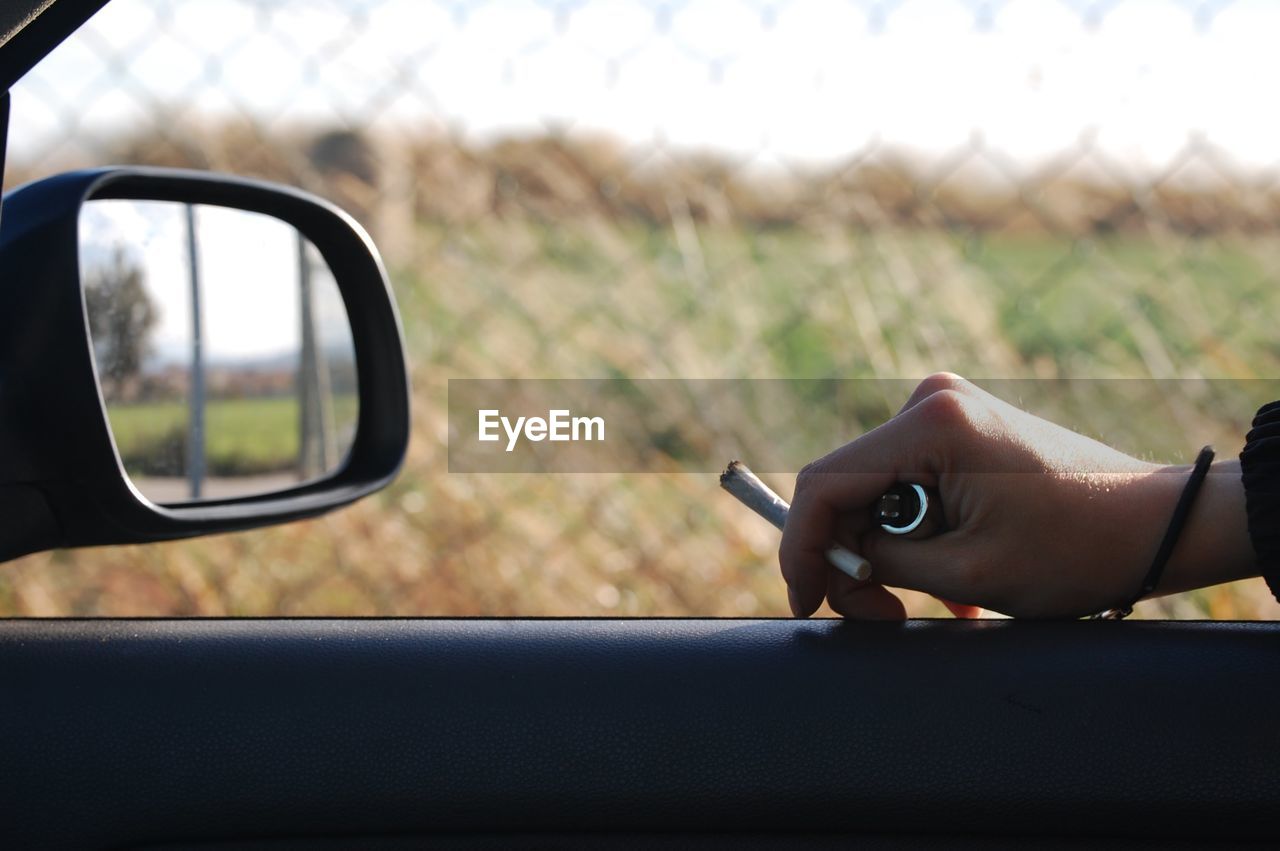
249, 285
151, 235
328, 314
249, 279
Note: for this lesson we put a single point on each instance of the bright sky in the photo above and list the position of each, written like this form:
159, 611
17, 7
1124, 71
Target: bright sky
798, 80
248, 272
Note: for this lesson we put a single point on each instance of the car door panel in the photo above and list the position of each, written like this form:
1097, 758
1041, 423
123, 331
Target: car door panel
123, 732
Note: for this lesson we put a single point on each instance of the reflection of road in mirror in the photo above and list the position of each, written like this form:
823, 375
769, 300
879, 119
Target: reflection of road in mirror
222, 346
176, 489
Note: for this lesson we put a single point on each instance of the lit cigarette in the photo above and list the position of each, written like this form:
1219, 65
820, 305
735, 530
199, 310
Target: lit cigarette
738, 480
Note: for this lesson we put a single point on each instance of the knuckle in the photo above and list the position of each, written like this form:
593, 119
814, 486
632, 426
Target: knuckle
938, 382
810, 474
946, 409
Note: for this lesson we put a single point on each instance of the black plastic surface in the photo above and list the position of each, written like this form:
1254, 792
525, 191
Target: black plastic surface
118, 733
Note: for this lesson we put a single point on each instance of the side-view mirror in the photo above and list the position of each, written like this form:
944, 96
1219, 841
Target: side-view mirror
184, 353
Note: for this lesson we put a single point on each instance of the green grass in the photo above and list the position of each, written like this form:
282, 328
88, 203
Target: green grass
1059, 325
1072, 304
242, 436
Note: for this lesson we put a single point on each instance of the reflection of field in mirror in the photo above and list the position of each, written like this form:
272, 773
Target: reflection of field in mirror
244, 438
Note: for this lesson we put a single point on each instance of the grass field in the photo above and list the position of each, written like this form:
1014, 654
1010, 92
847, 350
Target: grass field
243, 437
526, 295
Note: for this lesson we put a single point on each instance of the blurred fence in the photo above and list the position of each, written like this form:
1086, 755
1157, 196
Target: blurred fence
701, 189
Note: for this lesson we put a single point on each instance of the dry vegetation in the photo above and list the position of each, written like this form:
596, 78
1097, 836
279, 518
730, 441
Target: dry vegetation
557, 257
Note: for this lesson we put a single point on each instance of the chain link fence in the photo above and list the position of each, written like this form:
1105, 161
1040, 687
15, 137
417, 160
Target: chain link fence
695, 189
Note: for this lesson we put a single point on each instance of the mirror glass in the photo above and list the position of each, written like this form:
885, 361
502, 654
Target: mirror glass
223, 349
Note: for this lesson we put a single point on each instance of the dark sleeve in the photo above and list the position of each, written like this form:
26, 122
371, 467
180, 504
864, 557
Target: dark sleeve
1260, 467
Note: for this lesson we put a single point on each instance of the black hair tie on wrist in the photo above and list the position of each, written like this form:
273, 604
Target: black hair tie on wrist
1180, 513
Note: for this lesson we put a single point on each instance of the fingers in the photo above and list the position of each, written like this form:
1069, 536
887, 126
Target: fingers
811, 528
944, 566
847, 483
872, 601
862, 600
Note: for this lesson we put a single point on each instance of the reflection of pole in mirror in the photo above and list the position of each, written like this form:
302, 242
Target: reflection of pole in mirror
244, 380
195, 419
317, 452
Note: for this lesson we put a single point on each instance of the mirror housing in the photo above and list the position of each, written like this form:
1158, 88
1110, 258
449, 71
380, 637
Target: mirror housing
61, 479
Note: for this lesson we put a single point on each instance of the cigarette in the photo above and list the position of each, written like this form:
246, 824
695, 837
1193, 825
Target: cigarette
746, 486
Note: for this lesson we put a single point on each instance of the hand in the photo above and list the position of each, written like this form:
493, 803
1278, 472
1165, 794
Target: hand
1039, 521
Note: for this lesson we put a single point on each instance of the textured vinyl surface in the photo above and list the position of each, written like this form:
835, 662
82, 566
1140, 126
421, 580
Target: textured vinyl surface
121, 733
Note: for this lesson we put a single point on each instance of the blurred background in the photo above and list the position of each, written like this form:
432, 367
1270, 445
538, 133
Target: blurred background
699, 189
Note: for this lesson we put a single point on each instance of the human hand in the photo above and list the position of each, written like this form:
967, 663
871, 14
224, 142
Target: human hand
1039, 521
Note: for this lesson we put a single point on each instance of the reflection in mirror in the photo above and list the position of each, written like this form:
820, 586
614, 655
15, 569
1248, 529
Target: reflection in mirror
223, 349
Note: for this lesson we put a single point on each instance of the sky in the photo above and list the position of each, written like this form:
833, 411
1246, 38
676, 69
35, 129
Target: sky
248, 266
796, 82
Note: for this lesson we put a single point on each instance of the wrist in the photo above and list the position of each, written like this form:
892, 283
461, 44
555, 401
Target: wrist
1214, 546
